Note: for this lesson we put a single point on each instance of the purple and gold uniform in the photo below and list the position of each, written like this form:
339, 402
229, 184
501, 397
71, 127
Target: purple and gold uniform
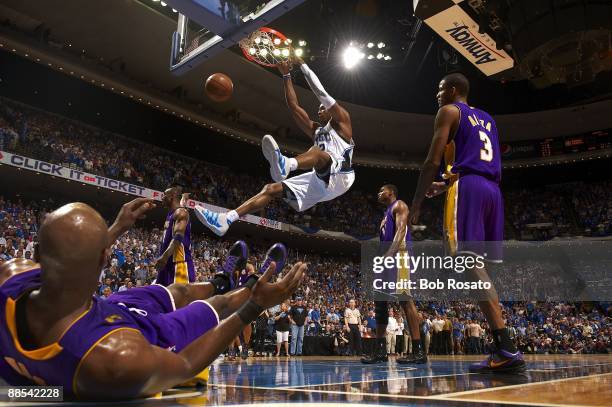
149, 310
474, 209
386, 235
180, 268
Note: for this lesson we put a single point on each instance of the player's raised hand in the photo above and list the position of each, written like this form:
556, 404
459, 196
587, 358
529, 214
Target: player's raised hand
267, 294
436, 189
132, 211
285, 67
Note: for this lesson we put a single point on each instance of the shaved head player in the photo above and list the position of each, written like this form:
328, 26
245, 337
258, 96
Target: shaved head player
136, 343
328, 161
466, 138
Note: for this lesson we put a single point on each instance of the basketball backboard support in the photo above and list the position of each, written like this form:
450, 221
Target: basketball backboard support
207, 27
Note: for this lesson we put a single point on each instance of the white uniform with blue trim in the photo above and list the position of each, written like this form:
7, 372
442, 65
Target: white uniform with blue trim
310, 188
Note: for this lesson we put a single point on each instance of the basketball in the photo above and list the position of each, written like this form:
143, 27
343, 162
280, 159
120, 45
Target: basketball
219, 87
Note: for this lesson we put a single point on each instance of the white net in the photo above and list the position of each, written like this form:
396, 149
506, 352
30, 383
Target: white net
266, 47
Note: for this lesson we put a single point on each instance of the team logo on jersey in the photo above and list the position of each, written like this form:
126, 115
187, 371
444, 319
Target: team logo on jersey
113, 318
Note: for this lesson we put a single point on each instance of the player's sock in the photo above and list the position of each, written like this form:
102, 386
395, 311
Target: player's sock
293, 164
502, 340
232, 216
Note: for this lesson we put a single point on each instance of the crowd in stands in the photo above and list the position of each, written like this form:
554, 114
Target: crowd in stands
585, 209
331, 283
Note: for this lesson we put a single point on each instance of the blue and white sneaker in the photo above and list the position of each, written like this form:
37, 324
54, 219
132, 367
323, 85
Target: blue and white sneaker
276, 253
279, 164
215, 221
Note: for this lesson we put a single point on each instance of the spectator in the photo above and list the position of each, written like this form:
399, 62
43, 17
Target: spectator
282, 329
297, 316
352, 320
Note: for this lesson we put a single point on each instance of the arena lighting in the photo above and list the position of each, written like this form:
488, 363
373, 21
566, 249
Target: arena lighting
299, 52
381, 44
379, 56
163, 4
370, 45
370, 56
302, 43
351, 57
174, 10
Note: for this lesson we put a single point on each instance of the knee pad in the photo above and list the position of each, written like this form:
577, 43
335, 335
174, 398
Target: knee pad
382, 313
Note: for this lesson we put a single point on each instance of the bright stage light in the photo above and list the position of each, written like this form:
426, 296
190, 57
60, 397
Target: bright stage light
381, 45
302, 43
277, 41
351, 57
379, 56
163, 4
276, 52
299, 52
387, 58
285, 52
263, 52
370, 45
370, 56
252, 51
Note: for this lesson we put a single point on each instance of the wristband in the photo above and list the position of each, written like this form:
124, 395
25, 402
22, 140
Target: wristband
249, 312
251, 281
178, 237
287, 75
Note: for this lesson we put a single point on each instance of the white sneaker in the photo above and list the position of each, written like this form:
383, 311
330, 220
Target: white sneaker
279, 164
215, 221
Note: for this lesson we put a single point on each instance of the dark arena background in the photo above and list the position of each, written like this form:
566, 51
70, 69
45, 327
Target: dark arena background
107, 102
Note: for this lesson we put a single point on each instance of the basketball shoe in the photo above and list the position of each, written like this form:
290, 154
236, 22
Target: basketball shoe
279, 164
500, 361
215, 221
236, 260
276, 253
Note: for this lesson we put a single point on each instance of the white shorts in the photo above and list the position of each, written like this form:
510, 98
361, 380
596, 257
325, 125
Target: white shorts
308, 189
282, 336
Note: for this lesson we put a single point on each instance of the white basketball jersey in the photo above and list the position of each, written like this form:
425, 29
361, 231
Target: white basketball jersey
328, 140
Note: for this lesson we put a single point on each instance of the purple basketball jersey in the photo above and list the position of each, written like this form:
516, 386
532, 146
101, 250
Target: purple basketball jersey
180, 268
387, 226
475, 147
149, 310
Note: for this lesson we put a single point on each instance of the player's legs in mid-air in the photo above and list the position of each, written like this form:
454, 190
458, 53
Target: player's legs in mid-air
302, 191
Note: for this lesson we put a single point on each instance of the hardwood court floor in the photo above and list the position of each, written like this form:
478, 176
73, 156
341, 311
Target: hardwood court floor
568, 380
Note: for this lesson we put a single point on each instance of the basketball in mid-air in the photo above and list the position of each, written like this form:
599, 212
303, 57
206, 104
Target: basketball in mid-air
219, 87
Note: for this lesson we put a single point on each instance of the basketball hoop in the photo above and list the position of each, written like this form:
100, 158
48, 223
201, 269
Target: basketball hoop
266, 47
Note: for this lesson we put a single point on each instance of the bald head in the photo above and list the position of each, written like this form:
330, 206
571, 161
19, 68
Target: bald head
72, 239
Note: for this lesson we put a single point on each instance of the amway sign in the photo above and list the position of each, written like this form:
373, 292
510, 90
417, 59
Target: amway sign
457, 28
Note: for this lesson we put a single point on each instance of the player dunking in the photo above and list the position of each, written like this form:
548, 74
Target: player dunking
467, 139
136, 343
330, 159
394, 230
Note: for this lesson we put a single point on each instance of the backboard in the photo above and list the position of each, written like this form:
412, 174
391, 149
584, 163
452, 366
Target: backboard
207, 27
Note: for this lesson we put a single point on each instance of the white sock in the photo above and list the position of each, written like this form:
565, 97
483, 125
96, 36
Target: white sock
232, 216
293, 164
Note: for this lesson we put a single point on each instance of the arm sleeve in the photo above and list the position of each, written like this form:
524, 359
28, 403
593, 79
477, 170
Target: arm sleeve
315, 85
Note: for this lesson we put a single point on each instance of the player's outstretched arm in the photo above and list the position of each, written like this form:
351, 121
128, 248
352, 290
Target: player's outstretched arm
338, 113
297, 112
128, 215
125, 365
